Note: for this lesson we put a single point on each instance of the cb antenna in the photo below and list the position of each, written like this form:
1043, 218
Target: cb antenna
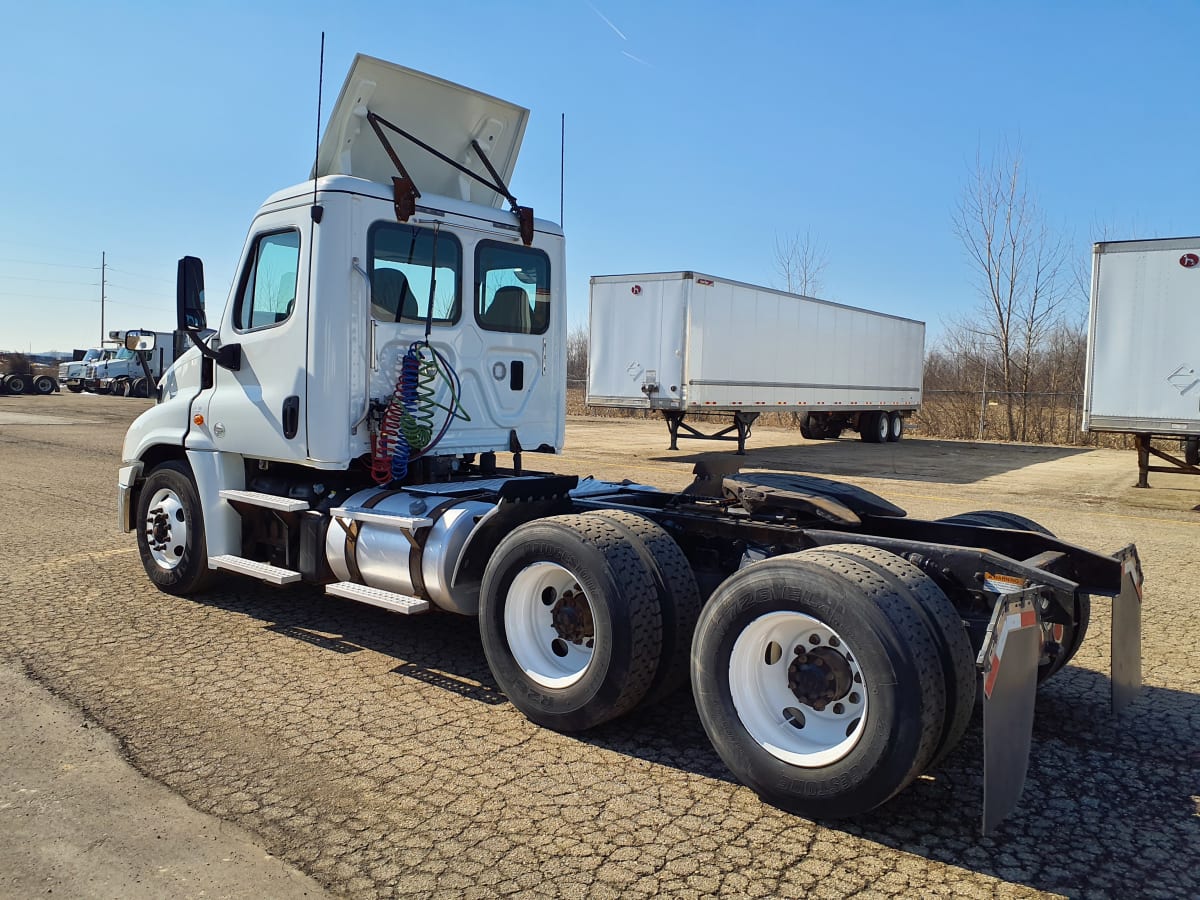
316, 210
562, 164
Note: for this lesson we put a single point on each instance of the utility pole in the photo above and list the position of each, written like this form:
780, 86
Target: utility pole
103, 264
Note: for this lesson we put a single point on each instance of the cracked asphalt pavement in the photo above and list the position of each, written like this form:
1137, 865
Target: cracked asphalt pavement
374, 752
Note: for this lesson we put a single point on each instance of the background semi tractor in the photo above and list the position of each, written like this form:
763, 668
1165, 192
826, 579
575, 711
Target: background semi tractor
700, 344
362, 415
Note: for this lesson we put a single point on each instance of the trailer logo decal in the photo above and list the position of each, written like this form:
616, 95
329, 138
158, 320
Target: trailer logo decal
1189, 260
1183, 379
635, 290
707, 282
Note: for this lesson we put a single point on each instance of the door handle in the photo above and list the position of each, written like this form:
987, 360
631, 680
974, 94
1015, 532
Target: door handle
291, 416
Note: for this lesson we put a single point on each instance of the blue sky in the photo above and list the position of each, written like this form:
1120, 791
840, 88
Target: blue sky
696, 132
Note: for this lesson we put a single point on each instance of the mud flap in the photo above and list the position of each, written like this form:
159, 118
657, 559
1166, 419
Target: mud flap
1127, 631
1009, 660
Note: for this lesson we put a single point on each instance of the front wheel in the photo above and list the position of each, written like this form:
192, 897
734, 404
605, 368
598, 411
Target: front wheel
170, 533
818, 684
570, 621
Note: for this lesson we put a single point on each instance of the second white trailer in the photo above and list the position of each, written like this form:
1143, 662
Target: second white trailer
684, 342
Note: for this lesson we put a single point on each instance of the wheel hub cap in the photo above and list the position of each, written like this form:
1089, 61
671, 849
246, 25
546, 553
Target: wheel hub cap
572, 617
819, 676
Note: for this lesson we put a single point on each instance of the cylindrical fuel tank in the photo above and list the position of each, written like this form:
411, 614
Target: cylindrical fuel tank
420, 564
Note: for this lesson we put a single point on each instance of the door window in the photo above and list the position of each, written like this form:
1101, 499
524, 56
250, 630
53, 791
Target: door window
512, 288
267, 293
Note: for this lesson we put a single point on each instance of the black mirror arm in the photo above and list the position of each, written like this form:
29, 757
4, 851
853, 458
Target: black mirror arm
228, 356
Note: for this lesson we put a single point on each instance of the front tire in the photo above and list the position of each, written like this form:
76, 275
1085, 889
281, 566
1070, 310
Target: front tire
817, 683
170, 531
570, 621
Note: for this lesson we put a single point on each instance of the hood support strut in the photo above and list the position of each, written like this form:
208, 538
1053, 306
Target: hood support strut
406, 193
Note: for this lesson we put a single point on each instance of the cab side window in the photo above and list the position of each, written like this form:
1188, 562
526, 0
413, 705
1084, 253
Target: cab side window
267, 290
512, 288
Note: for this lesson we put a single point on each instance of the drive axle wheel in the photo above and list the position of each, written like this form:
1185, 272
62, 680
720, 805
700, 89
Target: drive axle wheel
570, 621
1064, 640
170, 531
818, 683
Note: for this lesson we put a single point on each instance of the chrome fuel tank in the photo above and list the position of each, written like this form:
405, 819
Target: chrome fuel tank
420, 564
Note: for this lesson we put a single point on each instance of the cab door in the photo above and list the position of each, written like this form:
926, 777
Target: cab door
259, 410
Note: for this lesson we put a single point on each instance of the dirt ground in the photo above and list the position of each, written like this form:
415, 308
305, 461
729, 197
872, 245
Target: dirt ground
375, 754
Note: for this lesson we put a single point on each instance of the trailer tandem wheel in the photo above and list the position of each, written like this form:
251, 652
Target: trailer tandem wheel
818, 683
170, 531
875, 427
678, 596
895, 426
944, 623
570, 621
1071, 638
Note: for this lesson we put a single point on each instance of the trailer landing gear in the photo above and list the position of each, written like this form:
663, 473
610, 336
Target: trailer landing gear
742, 423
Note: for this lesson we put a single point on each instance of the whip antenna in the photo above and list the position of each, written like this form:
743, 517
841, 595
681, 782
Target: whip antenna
316, 210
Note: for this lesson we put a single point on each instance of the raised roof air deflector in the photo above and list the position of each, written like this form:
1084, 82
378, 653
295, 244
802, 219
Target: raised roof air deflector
442, 114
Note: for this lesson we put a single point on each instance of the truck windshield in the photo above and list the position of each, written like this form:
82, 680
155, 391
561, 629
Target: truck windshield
402, 262
91, 356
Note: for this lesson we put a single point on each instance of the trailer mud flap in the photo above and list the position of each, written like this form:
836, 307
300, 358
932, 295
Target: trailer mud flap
1009, 660
1127, 631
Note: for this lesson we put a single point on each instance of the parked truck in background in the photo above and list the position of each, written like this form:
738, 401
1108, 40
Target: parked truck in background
1143, 357
360, 417
133, 373
71, 374
685, 343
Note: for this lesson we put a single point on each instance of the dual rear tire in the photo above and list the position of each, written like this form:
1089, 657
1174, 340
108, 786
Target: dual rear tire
584, 617
881, 427
827, 680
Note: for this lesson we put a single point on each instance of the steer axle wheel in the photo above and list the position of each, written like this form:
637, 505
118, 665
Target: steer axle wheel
170, 531
818, 682
571, 621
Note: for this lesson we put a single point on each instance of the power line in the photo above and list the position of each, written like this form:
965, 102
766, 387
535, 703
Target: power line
34, 262
139, 275
49, 280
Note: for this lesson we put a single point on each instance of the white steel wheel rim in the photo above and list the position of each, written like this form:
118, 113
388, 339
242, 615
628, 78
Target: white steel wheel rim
166, 528
884, 425
897, 426
768, 708
546, 654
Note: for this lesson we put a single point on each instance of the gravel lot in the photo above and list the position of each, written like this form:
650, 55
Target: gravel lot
374, 752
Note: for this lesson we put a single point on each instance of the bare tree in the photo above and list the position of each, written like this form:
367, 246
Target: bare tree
577, 355
1019, 265
800, 261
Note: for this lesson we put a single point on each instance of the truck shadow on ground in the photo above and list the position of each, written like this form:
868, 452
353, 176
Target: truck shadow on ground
1109, 806
941, 462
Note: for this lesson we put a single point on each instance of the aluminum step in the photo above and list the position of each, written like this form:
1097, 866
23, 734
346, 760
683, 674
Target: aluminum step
260, 570
401, 603
267, 501
378, 517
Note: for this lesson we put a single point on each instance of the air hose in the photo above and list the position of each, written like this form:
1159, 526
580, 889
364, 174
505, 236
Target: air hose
407, 430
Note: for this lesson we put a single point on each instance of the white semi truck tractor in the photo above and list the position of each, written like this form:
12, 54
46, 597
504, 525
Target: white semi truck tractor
361, 416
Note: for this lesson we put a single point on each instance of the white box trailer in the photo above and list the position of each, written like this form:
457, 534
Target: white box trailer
1143, 358
684, 342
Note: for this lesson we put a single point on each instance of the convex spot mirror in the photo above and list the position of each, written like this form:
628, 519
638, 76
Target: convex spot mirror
139, 340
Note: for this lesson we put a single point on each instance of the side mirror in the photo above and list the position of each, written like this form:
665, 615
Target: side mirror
189, 295
139, 340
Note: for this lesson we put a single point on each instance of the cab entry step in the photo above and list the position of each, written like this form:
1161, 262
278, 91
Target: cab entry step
267, 501
401, 603
260, 570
